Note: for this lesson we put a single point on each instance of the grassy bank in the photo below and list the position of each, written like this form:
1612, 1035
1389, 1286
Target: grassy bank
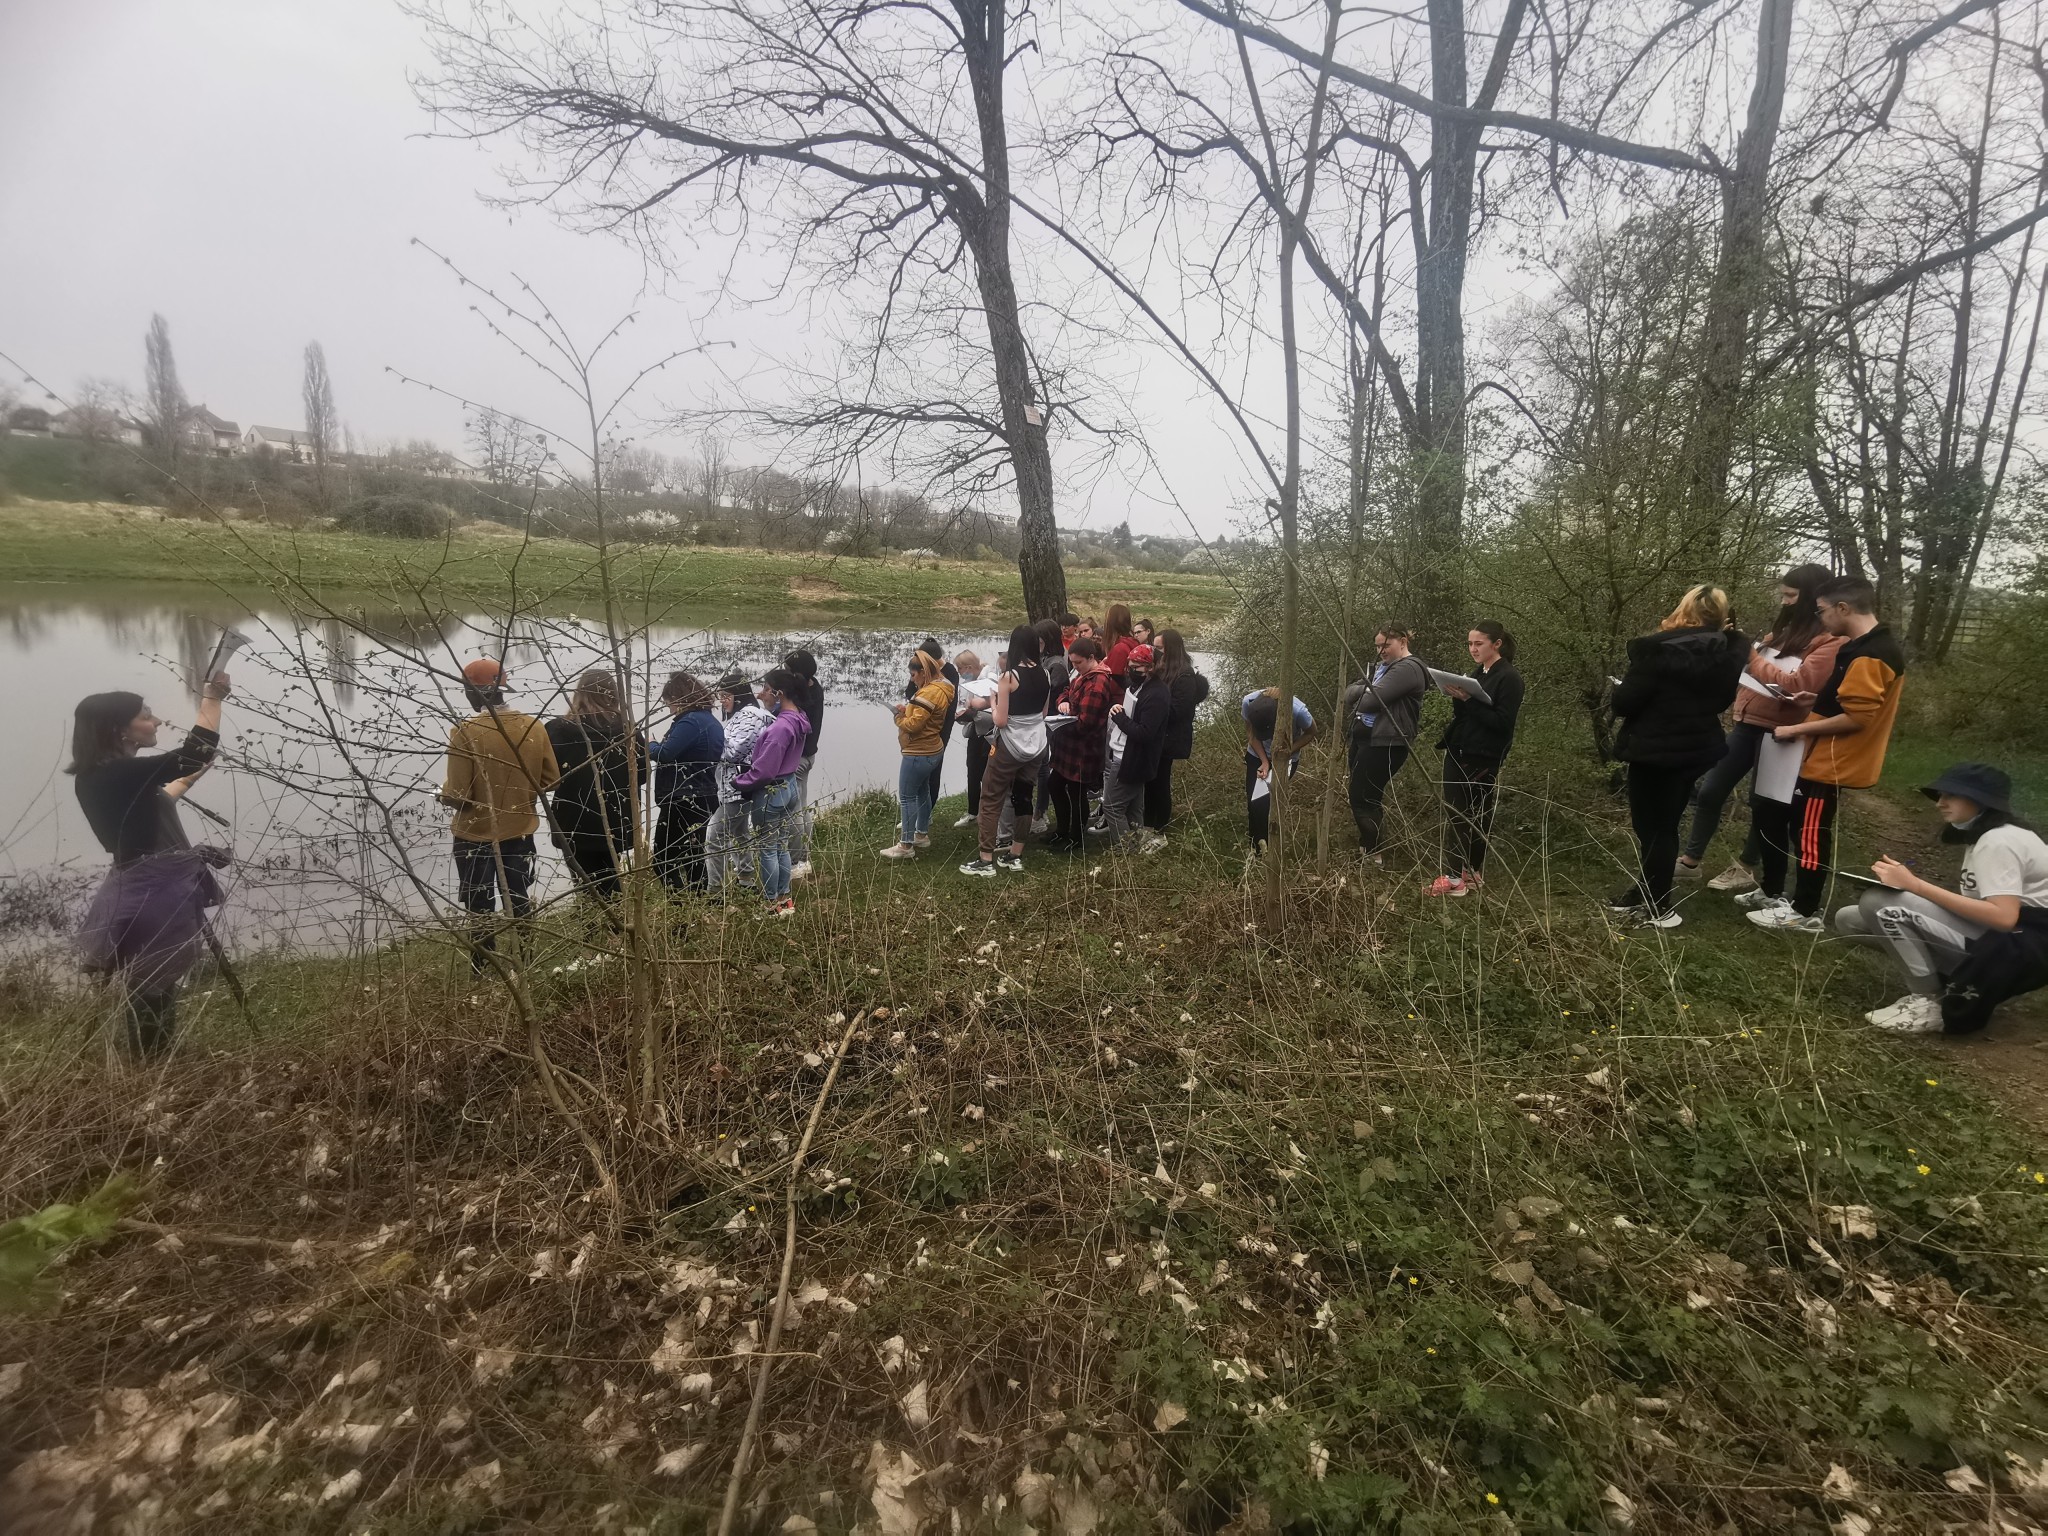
1132, 1213
490, 565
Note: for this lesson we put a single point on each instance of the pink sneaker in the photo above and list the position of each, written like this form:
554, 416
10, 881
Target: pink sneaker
1446, 885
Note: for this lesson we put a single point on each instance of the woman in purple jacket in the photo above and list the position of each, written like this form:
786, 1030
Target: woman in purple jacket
769, 783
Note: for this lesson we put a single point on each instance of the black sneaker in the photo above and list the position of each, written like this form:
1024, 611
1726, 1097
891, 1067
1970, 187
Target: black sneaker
986, 868
1011, 860
1627, 902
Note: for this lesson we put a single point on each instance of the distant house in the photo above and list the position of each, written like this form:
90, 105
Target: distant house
107, 426
210, 433
29, 420
288, 442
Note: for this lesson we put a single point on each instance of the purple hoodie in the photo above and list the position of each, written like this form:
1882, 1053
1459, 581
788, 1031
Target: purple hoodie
778, 752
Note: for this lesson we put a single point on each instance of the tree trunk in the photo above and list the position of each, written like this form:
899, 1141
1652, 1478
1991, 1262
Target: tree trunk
985, 46
1738, 272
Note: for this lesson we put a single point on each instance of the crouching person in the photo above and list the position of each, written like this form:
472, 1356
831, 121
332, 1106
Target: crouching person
1962, 952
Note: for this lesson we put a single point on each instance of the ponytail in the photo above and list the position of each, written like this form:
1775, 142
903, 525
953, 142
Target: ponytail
1497, 632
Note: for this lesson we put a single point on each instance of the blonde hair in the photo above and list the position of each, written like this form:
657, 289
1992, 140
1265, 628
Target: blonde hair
965, 660
596, 696
1702, 607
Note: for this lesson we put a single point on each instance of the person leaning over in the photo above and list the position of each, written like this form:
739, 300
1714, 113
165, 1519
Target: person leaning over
1846, 737
686, 781
147, 920
1078, 749
1963, 951
1137, 741
1670, 700
921, 741
1474, 745
1261, 713
500, 763
1385, 710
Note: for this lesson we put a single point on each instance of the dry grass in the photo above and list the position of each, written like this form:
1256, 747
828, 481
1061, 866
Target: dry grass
1124, 1213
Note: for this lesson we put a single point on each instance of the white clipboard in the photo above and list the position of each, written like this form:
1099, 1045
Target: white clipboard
1446, 681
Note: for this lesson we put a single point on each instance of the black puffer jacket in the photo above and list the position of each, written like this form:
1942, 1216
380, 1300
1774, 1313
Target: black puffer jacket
1671, 698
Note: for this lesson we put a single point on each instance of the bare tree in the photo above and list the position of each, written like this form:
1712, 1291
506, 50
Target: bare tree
877, 135
98, 407
163, 396
317, 393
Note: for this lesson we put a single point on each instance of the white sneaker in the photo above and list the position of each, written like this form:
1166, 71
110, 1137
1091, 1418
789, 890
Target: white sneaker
1910, 1015
1736, 877
924, 839
1754, 898
1038, 826
1779, 917
1152, 844
899, 851
1680, 870
965, 821
1645, 918
800, 871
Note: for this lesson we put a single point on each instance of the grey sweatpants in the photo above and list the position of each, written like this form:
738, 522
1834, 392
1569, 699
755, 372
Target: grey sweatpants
1927, 941
1123, 804
728, 844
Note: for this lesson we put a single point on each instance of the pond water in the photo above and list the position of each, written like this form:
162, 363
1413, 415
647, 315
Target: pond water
334, 740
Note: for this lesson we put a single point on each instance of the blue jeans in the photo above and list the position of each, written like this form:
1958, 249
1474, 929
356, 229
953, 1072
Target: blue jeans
773, 813
917, 787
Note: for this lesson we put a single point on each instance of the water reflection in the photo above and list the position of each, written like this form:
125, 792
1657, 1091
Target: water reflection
336, 734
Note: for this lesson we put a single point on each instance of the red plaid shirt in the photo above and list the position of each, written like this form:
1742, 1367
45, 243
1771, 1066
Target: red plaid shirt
1077, 749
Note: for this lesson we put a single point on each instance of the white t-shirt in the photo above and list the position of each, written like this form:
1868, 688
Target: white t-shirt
2007, 861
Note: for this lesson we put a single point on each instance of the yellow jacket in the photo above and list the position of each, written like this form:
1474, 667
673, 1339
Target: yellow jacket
499, 763
920, 724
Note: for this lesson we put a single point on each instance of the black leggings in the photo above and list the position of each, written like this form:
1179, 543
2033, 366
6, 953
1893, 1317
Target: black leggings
1159, 797
1656, 805
594, 860
152, 1022
1470, 786
977, 765
1070, 808
679, 844
1372, 770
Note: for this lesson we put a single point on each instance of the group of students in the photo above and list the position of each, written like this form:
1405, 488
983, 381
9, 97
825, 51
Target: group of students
1814, 702
1071, 712
1381, 714
730, 777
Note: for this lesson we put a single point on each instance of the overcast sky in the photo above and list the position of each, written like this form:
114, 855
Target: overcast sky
256, 170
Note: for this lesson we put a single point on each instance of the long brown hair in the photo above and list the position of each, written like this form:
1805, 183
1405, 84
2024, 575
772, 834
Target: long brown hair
1116, 624
1798, 625
96, 727
596, 697
1169, 656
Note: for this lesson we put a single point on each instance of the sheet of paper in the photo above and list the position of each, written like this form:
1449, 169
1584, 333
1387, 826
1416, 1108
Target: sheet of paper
1261, 788
1777, 768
